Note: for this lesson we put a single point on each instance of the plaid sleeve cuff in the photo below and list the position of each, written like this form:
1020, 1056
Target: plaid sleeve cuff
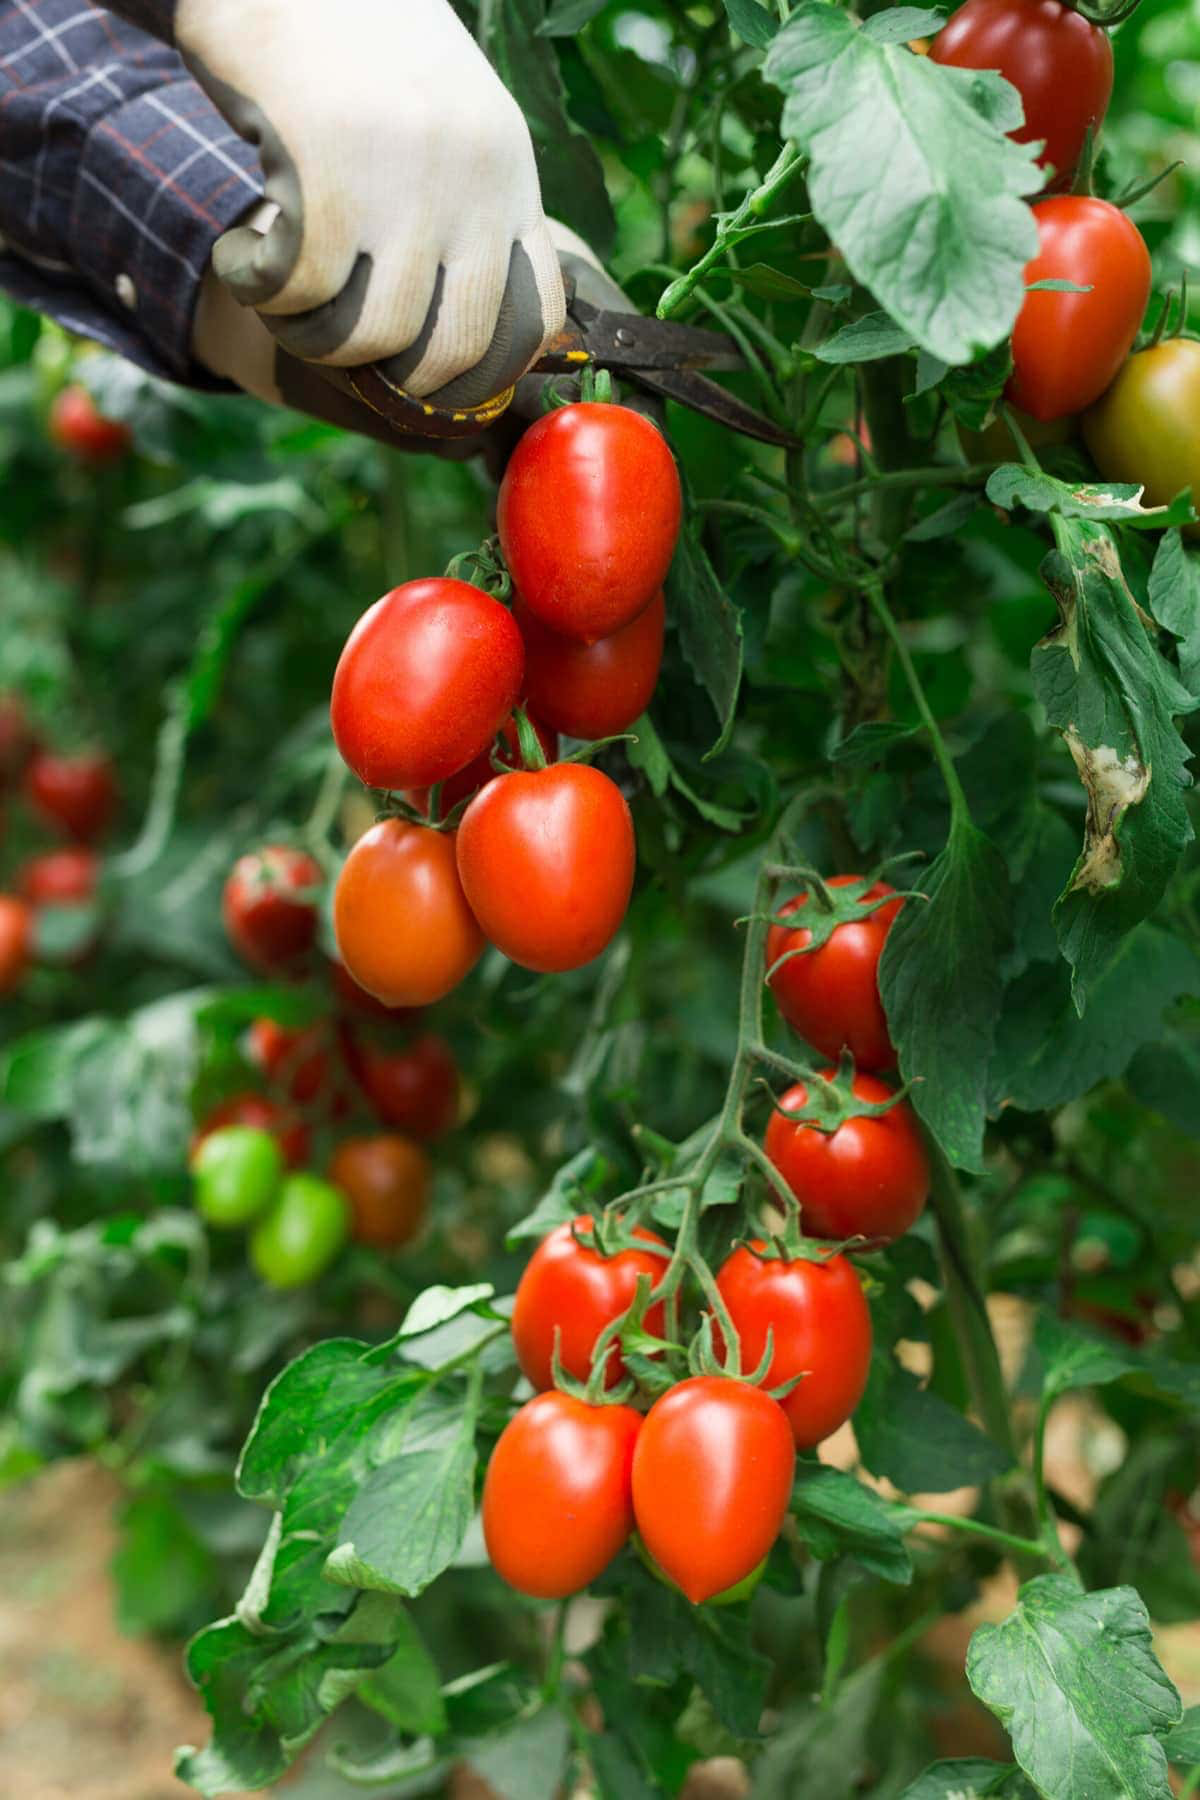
155, 16
160, 178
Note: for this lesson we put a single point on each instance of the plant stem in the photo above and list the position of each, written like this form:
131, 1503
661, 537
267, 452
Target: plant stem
968, 1308
962, 475
960, 812
782, 170
1005, 1540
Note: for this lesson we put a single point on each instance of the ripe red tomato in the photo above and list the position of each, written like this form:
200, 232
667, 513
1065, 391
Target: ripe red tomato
869, 1178
588, 516
547, 859
16, 736
557, 1502
831, 995
65, 877
80, 428
712, 1476
402, 923
1146, 427
574, 1288
268, 923
593, 690
75, 794
296, 1059
289, 1132
820, 1324
1067, 347
479, 772
427, 678
1061, 66
387, 1180
412, 1086
16, 941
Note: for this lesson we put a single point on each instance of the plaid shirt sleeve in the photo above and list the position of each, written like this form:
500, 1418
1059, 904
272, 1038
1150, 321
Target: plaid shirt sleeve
117, 174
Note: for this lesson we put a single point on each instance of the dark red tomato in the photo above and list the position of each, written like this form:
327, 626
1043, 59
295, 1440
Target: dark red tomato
388, 1181
1061, 66
712, 1476
588, 515
16, 941
479, 772
593, 690
16, 736
413, 1086
75, 794
575, 1289
354, 999
294, 1059
269, 906
427, 678
78, 426
820, 1325
547, 859
289, 1132
402, 923
64, 877
869, 1178
557, 1502
1067, 347
831, 995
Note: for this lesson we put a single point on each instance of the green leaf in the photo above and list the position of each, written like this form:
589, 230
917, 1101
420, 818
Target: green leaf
1072, 1359
438, 1305
869, 742
964, 1778
939, 978
971, 392
1166, 1077
1074, 1679
865, 340
912, 177
1011, 485
1114, 698
752, 22
408, 1518
900, 24
1174, 599
572, 179
1046, 1054
527, 1761
578, 1180
1183, 1740
709, 627
913, 1437
566, 17
406, 1690
947, 521
837, 1516
668, 1637
759, 278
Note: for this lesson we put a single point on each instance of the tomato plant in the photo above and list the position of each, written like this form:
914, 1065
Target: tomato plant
404, 929
912, 1372
546, 858
455, 655
559, 1459
588, 514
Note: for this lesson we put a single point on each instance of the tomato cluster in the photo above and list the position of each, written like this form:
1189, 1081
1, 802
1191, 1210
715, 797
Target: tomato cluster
70, 794
704, 1477
498, 841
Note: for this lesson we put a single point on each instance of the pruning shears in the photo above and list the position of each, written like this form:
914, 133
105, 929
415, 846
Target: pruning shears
657, 354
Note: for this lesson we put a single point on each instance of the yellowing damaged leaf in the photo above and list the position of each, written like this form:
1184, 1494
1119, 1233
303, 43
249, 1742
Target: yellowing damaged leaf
1114, 783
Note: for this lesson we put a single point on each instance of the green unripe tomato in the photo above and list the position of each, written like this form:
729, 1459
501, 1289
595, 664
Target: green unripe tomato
730, 1596
236, 1173
302, 1233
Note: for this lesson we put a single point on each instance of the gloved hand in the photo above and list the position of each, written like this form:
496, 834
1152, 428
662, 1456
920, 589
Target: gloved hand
409, 225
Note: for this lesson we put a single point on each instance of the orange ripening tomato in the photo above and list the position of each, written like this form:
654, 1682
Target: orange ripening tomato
572, 1289
1068, 347
869, 1178
557, 1500
404, 930
388, 1181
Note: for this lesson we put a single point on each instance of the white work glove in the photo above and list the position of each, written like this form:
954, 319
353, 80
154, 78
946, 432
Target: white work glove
409, 227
